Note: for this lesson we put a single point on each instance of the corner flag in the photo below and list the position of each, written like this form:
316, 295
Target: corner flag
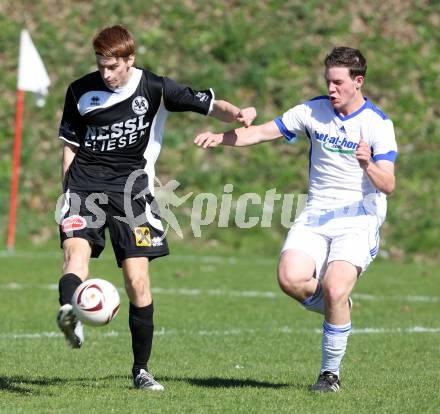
32, 77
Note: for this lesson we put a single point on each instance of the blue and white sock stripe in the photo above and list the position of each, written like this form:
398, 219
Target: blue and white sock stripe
336, 329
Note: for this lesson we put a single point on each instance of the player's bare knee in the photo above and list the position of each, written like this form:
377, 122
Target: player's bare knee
290, 281
295, 271
335, 295
284, 280
136, 285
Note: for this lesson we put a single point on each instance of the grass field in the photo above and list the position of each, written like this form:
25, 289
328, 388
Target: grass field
226, 341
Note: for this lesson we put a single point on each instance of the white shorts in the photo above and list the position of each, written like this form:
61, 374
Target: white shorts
325, 238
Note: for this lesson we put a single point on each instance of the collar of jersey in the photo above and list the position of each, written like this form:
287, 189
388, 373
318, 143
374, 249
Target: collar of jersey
366, 105
132, 84
107, 97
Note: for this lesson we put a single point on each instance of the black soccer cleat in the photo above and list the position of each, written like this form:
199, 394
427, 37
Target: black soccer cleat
327, 382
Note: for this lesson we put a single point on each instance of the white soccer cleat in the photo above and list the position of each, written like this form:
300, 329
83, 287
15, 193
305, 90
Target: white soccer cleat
71, 327
145, 381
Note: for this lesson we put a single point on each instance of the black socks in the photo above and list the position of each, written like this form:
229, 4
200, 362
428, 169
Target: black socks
67, 286
140, 321
141, 327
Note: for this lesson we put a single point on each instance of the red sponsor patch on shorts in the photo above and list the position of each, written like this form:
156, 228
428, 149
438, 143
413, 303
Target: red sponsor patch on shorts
73, 223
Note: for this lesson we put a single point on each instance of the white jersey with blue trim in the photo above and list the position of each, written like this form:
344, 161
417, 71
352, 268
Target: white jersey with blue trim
335, 176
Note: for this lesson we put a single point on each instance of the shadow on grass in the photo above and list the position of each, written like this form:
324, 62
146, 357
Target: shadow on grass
24, 385
215, 382
20, 384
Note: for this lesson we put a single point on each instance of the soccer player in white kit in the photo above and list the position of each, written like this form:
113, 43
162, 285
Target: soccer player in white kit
335, 238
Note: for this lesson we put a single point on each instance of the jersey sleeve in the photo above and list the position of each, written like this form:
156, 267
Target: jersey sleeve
70, 120
383, 144
180, 98
292, 123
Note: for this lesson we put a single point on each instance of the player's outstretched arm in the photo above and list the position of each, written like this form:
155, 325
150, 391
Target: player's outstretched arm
226, 112
239, 137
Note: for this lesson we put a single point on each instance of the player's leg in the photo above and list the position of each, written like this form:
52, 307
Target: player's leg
80, 240
295, 274
350, 254
338, 282
77, 253
137, 285
134, 247
303, 255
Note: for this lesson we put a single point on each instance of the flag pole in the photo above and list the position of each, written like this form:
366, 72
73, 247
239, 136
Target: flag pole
32, 77
15, 170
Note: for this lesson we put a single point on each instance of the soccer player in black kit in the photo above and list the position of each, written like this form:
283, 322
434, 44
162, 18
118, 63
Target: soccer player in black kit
112, 129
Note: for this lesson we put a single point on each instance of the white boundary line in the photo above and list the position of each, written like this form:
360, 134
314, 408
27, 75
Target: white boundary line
229, 332
212, 259
214, 292
234, 293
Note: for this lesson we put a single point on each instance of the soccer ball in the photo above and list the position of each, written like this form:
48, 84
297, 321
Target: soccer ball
95, 302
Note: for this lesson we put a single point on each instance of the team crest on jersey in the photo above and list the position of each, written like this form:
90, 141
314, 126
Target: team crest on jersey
139, 105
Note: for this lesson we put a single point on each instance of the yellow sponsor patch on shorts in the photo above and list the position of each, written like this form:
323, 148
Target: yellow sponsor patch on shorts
143, 237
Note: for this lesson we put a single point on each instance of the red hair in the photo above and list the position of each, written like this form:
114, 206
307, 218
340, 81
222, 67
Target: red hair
115, 41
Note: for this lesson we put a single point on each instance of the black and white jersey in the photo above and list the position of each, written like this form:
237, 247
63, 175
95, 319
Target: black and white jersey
120, 131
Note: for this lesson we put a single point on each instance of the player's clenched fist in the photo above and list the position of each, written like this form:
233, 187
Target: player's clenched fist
363, 154
246, 116
208, 139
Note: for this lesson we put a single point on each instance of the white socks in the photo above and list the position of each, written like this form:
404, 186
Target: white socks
334, 343
334, 339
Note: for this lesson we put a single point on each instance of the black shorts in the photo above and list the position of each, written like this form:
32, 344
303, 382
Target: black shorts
134, 224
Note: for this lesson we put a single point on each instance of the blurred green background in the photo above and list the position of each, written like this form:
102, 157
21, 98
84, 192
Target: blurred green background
268, 54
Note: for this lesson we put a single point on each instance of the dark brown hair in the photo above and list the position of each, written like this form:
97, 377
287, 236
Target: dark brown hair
346, 57
115, 41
